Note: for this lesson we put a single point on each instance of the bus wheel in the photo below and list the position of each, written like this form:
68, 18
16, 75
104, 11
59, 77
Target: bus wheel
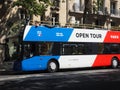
114, 63
52, 66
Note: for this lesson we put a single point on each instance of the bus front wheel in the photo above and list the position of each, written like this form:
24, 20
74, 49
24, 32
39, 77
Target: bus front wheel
52, 66
114, 63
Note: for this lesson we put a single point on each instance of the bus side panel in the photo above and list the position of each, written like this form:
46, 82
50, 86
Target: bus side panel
33, 63
104, 60
68, 61
81, 61
36, 63
76, 61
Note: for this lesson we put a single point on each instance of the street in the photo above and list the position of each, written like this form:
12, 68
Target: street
92, 79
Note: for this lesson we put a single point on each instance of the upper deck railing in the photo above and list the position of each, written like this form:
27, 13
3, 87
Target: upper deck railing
69, 25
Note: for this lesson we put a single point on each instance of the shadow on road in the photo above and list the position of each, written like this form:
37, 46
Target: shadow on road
36, 72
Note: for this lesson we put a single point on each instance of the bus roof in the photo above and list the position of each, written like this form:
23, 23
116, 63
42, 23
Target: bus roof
64, 34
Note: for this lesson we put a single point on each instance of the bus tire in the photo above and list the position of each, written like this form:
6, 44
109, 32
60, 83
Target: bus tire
114, 63
52, 66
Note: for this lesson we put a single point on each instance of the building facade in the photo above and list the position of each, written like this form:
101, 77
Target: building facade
102, 12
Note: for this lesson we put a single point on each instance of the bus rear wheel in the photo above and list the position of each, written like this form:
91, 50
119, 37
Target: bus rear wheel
114, 63
52, 66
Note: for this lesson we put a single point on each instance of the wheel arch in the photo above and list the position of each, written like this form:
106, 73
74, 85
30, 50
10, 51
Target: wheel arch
117, 59
53, 59
57, 63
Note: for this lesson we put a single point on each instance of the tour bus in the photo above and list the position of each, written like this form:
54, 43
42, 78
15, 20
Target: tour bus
54, 48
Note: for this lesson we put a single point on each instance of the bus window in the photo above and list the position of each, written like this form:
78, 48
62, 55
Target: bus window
74, 49
36, 49
43, 48
70, 49
26, 51
46, 48
111, 48
106, 48
88, 48
30, 49
115, 48
66, 49
55, 49
81, 49
100, 48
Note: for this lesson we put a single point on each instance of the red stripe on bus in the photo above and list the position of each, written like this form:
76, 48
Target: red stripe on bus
102, 60
112, 37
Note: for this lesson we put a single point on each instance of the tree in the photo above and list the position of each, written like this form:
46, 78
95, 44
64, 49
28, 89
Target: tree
4, 10
33, 7
10, 22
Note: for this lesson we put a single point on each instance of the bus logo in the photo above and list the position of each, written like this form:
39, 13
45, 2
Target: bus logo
59, 34
39, 33
114, 36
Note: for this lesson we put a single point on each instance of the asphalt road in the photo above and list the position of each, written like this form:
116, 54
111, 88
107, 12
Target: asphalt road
88, 79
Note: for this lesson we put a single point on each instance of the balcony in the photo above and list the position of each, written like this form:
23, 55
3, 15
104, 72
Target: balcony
115, 13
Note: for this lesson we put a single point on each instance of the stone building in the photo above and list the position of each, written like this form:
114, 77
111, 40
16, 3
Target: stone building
103, 12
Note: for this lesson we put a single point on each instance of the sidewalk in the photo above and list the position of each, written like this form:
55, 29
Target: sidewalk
6, 66
2, 67
7, 70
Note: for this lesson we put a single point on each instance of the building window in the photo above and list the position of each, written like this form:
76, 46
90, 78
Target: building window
98, 6
113, 7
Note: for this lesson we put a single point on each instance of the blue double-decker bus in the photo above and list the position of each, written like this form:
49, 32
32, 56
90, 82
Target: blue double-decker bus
54, 48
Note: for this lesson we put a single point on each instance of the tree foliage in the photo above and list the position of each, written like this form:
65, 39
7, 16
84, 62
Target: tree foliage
33, 7
9, 21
